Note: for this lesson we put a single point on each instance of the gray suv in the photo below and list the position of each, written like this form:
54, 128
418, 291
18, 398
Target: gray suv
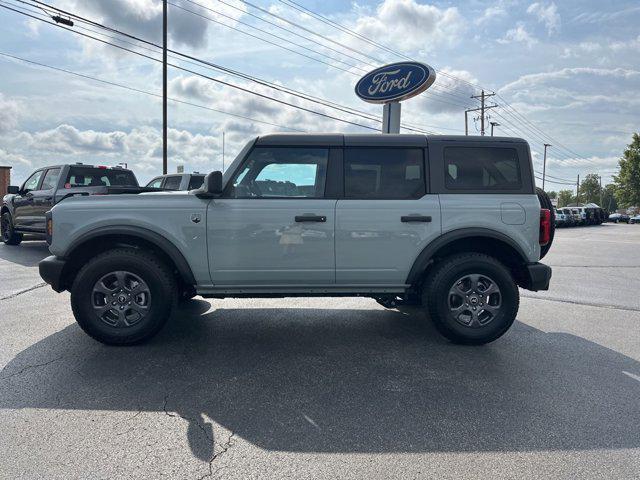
451, 223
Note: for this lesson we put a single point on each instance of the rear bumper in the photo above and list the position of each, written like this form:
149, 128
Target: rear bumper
51, 272
536, 277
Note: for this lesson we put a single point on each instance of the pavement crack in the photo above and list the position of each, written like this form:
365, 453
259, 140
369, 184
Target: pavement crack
27, 367
223, 449
188, 419
26, 290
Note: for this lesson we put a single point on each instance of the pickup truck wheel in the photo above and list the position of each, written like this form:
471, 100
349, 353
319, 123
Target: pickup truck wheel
9, 235
471, 298
123, 296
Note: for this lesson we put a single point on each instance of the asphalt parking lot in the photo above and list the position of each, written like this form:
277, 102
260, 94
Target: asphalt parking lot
331, 388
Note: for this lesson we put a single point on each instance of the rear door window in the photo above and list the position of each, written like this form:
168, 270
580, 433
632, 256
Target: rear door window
384, 173
50, 179
172, 183
196, 181
486, 168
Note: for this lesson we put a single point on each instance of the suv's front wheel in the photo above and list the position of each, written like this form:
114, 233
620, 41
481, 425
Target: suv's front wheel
123, 296
472, 298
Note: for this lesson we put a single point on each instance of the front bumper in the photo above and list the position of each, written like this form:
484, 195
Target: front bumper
51, 271
536, 276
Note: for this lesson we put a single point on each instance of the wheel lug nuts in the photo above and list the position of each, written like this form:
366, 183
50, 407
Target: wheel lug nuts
113, 303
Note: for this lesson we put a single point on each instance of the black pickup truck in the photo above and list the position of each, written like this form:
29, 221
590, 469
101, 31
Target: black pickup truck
24, 207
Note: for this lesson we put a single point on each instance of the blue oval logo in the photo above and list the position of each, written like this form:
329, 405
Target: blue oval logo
395, 82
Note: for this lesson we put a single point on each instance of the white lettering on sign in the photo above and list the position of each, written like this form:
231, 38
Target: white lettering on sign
381, 82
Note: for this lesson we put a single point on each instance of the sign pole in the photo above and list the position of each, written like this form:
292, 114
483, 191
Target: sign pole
391, 117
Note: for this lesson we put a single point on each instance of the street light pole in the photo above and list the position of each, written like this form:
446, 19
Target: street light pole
493, 124
544, 164
164, 87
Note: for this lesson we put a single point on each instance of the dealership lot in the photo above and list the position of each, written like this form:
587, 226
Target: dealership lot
331, 388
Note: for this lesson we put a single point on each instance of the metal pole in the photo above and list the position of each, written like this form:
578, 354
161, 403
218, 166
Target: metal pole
482, 113
493, 124
164, 87
223, 151
578, 191
600, 176
391, 117
544, 164
466, 122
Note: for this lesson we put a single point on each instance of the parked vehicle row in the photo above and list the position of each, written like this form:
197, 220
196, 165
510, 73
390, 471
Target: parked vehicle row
577, 216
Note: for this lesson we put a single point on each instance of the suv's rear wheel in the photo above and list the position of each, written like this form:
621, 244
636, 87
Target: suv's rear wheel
472, 298
123, 296
9, 235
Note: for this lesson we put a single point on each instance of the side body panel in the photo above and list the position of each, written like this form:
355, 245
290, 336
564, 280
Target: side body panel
170, 215
373, 245
258, 242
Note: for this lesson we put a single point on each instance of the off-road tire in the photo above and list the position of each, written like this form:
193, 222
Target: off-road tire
162, 293
545, 202
9, 235
436, 293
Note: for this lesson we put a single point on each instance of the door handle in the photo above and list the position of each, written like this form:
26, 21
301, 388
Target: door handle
311, 218
415, 218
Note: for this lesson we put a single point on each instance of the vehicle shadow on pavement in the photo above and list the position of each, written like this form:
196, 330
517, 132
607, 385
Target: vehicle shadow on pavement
343, 380
27, 254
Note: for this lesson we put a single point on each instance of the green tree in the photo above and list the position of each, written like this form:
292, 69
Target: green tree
628, 179
552, 194
609, 202
590, 189
565, 197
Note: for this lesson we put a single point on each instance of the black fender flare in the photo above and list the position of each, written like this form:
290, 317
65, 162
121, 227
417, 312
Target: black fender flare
426, 255
160, 242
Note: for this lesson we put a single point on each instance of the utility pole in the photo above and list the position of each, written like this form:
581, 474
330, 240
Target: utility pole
466, 122
600, 177
164, 87
493, 124
544, 164
482, 108
578, 191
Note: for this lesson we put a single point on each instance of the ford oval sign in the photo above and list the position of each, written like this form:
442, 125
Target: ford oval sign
395, 82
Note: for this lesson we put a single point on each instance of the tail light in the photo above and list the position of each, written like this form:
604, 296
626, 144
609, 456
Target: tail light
545, 226
49, 226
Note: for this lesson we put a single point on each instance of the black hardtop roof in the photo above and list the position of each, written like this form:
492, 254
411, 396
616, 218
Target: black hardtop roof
372, 139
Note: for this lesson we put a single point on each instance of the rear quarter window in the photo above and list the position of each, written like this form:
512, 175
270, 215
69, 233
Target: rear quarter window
99, 177
482, 168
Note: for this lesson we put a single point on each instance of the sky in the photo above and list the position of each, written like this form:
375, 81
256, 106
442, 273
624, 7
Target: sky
564, 73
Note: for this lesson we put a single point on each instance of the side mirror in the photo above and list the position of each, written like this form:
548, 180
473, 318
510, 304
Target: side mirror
212, 185
13, 189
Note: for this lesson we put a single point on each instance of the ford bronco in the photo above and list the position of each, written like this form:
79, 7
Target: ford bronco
450, 223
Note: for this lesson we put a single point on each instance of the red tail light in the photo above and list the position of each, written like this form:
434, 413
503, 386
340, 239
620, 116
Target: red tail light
545, 226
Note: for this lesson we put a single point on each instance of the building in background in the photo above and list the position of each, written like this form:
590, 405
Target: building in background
5, 179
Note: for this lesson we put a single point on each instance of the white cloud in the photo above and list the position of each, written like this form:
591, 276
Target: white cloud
408, 25
144, 18
12, 160
518, 35
546, 14
491, 13
9, 114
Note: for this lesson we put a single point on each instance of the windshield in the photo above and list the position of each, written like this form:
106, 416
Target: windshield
99, 177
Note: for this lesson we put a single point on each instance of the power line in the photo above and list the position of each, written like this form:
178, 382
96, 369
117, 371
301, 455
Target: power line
138, 90
206, 64
222, 82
